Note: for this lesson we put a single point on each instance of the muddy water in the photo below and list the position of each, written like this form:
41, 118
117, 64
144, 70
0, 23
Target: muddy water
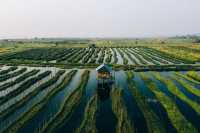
51, 107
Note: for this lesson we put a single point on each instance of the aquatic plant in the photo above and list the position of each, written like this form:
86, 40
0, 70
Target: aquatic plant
68, 106
19, 79
175, 116
175, 90
124, 124
152, 120
194, 75
24, 86
32, 94
14, 127
88, 124
11, 75
188, 86
8, 70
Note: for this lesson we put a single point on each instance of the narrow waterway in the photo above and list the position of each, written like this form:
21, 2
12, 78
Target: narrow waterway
51, 107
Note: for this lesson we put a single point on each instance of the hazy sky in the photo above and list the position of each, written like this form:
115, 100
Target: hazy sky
98, 18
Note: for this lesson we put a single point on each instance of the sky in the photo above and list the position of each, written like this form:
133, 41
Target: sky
98, 18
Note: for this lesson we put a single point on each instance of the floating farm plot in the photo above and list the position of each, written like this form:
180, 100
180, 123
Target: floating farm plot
120, 55
143, 89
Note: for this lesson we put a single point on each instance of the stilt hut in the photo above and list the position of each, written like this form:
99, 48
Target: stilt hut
104, 75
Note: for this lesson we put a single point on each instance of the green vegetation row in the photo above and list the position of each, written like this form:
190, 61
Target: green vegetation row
46, 54
14, 127
24, 86
124, 124
68, 106
11, 75
147, 57
186, 77
19, 79
130, 57
88, 56
115, 56
142, 61
109, 56
153, 56
187, 86
152, 120
125, 61
102, 55
194, 75
8, 70
175, 90
175, 116
160, 54
67, 55
166, 55
33, 93
88, 124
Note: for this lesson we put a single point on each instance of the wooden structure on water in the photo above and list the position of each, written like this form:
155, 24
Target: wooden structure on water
105, 76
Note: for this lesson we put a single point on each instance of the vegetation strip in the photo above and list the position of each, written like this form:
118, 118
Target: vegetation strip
11, 75
175, 116
88, 124
18, 80
24, 86
187, 86
124, 124
68, 106
175, 90
194, 75
153, 122
36, 108
32, 94
187, 78
8, 70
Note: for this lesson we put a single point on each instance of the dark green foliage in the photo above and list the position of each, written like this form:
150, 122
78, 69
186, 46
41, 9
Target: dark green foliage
8, 70
24, 86
10, 75
19, 79
45, 54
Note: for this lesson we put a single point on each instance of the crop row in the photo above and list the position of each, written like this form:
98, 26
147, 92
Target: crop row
70, 102
29, 114
175, 116
24, 86
132, 55
33, 93
19, 79
11, 75
8, 70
